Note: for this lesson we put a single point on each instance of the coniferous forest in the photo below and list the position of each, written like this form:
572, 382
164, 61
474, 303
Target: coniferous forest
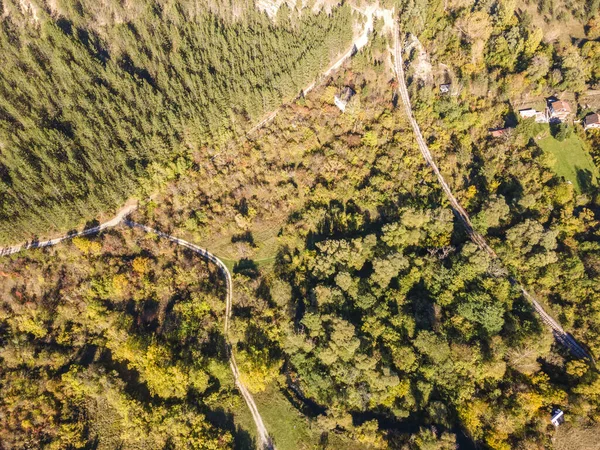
95, 104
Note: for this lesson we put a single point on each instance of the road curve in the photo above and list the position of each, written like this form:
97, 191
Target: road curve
123, 212
263, 435
559, 333
359, 42
265, 441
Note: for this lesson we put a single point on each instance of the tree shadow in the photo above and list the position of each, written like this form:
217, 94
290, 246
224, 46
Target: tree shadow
242, 206
511, 120
72, 232
246, 267
93, 443
242, 440
422, 307
511, 189
4, 173
586, 180
65, 25
91, 224
84, 357
138, 73
133, 384
246, 236
34, 243
341, 220
296, 397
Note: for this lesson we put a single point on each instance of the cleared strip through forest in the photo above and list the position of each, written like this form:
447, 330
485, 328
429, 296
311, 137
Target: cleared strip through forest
265, 441
359, 42
559, 333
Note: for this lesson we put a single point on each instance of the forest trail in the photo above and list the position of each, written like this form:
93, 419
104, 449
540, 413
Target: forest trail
263, 435
121, 214
559, 333
265, 442
359, 42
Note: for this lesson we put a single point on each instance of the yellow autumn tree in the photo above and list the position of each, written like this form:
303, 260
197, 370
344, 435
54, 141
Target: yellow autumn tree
140, 265
257, 369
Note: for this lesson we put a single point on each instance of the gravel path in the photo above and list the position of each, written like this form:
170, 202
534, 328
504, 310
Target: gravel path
265, 441
559, 333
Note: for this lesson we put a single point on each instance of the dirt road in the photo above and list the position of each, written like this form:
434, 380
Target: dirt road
559, 333
121, 214
359, 42
265, 442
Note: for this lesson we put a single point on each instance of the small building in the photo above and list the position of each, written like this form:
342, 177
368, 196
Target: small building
527, 113
444, 88
342, 100
591, 121
558, 417
559, 111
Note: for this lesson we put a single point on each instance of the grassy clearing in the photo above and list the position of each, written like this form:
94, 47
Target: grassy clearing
569, 437
262, 249
289, 429
571, 161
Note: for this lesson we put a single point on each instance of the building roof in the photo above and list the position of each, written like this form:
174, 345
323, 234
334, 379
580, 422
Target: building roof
341, 101
592, 119
558, 417
528, 112
560, 105
347, 93
499, 132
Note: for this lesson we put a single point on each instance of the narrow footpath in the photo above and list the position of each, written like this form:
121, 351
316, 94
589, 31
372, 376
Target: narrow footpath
559, 333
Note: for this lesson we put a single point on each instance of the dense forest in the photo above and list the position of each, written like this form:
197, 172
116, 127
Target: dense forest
131, 319
360, 302
95, 107
389, 317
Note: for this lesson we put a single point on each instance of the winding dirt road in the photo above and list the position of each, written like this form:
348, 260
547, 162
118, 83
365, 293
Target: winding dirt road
559, 333
265, 441
121, 214
359, 42
263, 435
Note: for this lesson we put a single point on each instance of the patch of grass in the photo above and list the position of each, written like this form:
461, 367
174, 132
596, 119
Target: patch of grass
572, 161
289, 429
569, 437
260, 243
287, 426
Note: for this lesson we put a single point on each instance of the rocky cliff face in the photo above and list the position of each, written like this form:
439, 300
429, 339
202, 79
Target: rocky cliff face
272, 6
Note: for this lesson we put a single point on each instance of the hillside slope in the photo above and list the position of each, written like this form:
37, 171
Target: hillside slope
103, 101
